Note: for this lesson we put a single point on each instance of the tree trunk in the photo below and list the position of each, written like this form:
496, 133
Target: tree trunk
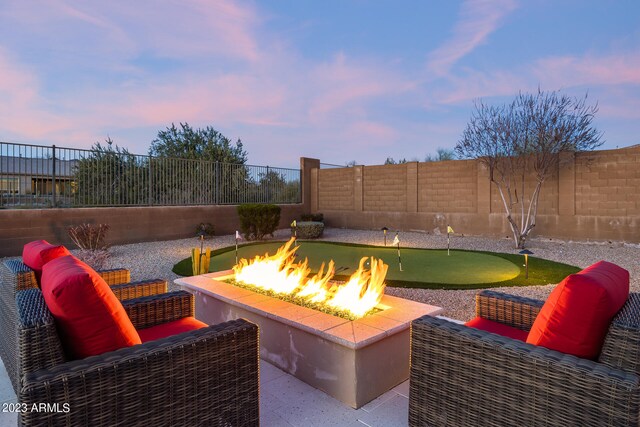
531, 216
507, 207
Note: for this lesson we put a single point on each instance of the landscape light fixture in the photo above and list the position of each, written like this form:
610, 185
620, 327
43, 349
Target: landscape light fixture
384, 230
201, 235
526, 254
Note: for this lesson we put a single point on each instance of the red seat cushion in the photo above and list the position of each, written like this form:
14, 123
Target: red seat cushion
175, 327
497, 328
89, 317
37, 253
576, 316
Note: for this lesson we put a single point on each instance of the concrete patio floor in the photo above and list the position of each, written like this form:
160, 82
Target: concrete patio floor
286, 401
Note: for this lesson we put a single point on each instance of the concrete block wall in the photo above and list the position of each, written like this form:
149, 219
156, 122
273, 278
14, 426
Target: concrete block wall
590, 196
449, 186
385, 188
335, 189
608, 183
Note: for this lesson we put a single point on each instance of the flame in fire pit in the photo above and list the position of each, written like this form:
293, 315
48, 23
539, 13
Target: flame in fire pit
281, 274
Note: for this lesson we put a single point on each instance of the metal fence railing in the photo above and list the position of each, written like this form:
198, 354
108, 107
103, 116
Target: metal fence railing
34, 176
331, 166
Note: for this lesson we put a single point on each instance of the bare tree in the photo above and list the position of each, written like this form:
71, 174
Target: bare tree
524, 139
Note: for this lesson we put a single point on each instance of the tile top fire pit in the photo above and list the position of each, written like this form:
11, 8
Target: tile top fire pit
353, 361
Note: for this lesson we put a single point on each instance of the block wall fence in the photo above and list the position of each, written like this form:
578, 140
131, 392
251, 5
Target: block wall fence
133, 224
591, 196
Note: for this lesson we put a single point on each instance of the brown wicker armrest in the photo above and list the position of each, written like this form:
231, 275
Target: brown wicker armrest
142, 288
36, 336
621, 347
205, 377
152, 310
14, 277
17, 276
462, 376
115, 276
512, 310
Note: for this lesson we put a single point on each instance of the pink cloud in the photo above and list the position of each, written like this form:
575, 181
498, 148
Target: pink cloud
342, 84
197, 27
474, 85
22, 111
18, 84
371, 133
478, 19
169, 29
235, 26
117, 33
223, 99
621, 68
552, 73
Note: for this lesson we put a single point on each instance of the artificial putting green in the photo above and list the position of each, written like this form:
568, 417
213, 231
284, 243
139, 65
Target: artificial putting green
422, 268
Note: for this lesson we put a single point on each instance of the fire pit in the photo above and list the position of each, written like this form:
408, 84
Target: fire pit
354, 361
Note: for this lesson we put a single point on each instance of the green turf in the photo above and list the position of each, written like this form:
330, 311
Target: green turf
422, 268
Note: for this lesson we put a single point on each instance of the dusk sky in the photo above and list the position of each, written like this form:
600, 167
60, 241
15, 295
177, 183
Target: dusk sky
336, 80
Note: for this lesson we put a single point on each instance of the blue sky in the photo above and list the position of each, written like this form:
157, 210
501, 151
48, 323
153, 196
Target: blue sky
336, 80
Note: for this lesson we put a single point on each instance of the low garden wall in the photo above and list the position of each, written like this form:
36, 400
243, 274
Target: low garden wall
128, 224
135, 224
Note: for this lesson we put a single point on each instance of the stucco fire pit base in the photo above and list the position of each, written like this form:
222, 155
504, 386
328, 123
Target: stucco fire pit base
353, 361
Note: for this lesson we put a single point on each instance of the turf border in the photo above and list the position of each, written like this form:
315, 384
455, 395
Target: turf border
541, 271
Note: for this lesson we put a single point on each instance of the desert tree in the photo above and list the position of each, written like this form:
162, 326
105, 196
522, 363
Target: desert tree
201, 144
442, 154
392, 161
524, 139
197, 166
109, 175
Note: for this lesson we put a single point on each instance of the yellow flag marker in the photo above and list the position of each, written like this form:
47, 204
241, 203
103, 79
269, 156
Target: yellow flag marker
449, 231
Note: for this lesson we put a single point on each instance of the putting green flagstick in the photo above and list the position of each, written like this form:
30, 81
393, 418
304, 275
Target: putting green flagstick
396, 241
449, 231
238, 237
294, 224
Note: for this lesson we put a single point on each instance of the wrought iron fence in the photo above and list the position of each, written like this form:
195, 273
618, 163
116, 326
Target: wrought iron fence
331, 166
34, 176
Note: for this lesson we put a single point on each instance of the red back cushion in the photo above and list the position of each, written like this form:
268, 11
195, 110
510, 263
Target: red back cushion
36, 254
89, 317
497, 328
576, 316
168, 329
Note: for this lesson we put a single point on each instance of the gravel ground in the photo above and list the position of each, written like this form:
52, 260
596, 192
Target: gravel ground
155, 259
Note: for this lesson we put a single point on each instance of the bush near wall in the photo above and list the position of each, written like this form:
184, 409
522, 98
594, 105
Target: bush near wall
257, 221
309, 229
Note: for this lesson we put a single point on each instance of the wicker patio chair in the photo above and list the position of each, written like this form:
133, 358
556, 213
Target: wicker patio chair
205, 377
15, 277
461, 376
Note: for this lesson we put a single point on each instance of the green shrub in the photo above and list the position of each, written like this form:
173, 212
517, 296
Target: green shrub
256, 221
309, 229
318, 217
